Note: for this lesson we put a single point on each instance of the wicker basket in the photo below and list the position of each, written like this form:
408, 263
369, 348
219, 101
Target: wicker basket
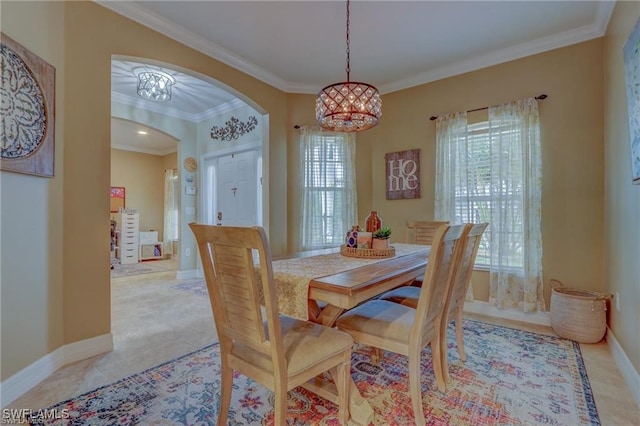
579, 315
367, 253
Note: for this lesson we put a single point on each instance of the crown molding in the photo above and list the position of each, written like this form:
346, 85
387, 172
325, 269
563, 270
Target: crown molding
157, 23
224, 108
578, 35
149, 19
164, 109
143, 150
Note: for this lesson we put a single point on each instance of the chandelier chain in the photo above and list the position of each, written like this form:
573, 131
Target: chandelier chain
347, 106
348, 50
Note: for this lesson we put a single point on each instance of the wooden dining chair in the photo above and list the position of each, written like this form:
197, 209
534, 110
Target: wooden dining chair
421, 232
404, 330
409, 296
276, 351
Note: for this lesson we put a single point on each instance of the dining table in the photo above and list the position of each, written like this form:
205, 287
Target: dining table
320, 285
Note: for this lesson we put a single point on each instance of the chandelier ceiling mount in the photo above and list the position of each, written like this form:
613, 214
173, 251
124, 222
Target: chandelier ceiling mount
154, 85
348, 106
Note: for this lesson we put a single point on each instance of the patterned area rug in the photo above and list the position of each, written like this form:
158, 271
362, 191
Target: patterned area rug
197, 287
511, 377
126, 270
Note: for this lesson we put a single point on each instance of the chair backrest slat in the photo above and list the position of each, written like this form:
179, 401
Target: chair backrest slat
463, 275
445, 250
238, 283
422, 232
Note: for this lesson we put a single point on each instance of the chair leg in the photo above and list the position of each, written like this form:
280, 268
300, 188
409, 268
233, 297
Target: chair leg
342, 379
225, 392
280, 402
460, 335
414, 388
436, 351
376, 355
444, 354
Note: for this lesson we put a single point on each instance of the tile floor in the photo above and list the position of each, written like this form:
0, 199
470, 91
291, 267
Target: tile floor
152, 323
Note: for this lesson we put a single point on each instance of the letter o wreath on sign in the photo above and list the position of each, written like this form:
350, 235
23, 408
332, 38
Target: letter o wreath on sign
403, 174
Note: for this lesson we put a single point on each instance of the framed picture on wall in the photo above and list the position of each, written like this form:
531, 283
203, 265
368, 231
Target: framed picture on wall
117, 198
403, 174
27, 131
631, 54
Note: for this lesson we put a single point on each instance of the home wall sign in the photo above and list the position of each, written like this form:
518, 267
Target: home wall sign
403, 174
233, 129
27, 128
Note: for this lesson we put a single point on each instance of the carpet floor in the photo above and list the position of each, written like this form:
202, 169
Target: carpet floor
511, 377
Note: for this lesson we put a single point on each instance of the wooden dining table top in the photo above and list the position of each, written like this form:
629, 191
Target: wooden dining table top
362, 280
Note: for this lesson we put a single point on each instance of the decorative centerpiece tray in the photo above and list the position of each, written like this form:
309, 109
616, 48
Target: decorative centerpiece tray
367, 253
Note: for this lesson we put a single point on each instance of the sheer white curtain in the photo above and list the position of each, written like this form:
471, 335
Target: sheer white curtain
515, 140
491, 172
451, 157
170, 210
328, 202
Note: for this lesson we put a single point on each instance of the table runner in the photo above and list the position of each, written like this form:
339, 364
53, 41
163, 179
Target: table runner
292, 276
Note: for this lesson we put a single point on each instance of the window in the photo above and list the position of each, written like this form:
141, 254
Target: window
171, 208
328, 193
477, 194
492, 172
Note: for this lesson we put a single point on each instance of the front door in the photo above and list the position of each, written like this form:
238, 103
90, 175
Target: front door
232, 191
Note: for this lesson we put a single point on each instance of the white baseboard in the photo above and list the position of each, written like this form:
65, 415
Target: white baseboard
623, 363
485, 308
25, 379
186, 275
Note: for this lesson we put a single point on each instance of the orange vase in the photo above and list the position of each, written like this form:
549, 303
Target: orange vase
373, 222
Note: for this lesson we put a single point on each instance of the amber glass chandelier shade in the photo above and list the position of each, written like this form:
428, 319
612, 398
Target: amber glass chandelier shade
348, 107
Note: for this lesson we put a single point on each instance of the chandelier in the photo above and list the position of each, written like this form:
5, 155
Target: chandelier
155, 85
348, 106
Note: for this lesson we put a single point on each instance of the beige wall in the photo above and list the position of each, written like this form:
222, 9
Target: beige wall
31, 212
572, 150
142, 176
622, 199
93, 34
55, 285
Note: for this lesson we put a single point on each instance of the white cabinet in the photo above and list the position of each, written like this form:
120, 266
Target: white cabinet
150, 247
151, 251
128, 224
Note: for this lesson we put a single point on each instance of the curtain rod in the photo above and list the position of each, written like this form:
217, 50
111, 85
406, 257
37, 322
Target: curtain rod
541, 97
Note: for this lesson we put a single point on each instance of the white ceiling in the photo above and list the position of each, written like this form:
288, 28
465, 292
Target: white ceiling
299, 46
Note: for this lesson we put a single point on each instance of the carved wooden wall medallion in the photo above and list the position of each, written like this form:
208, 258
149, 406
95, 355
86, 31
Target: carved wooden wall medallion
27, 105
